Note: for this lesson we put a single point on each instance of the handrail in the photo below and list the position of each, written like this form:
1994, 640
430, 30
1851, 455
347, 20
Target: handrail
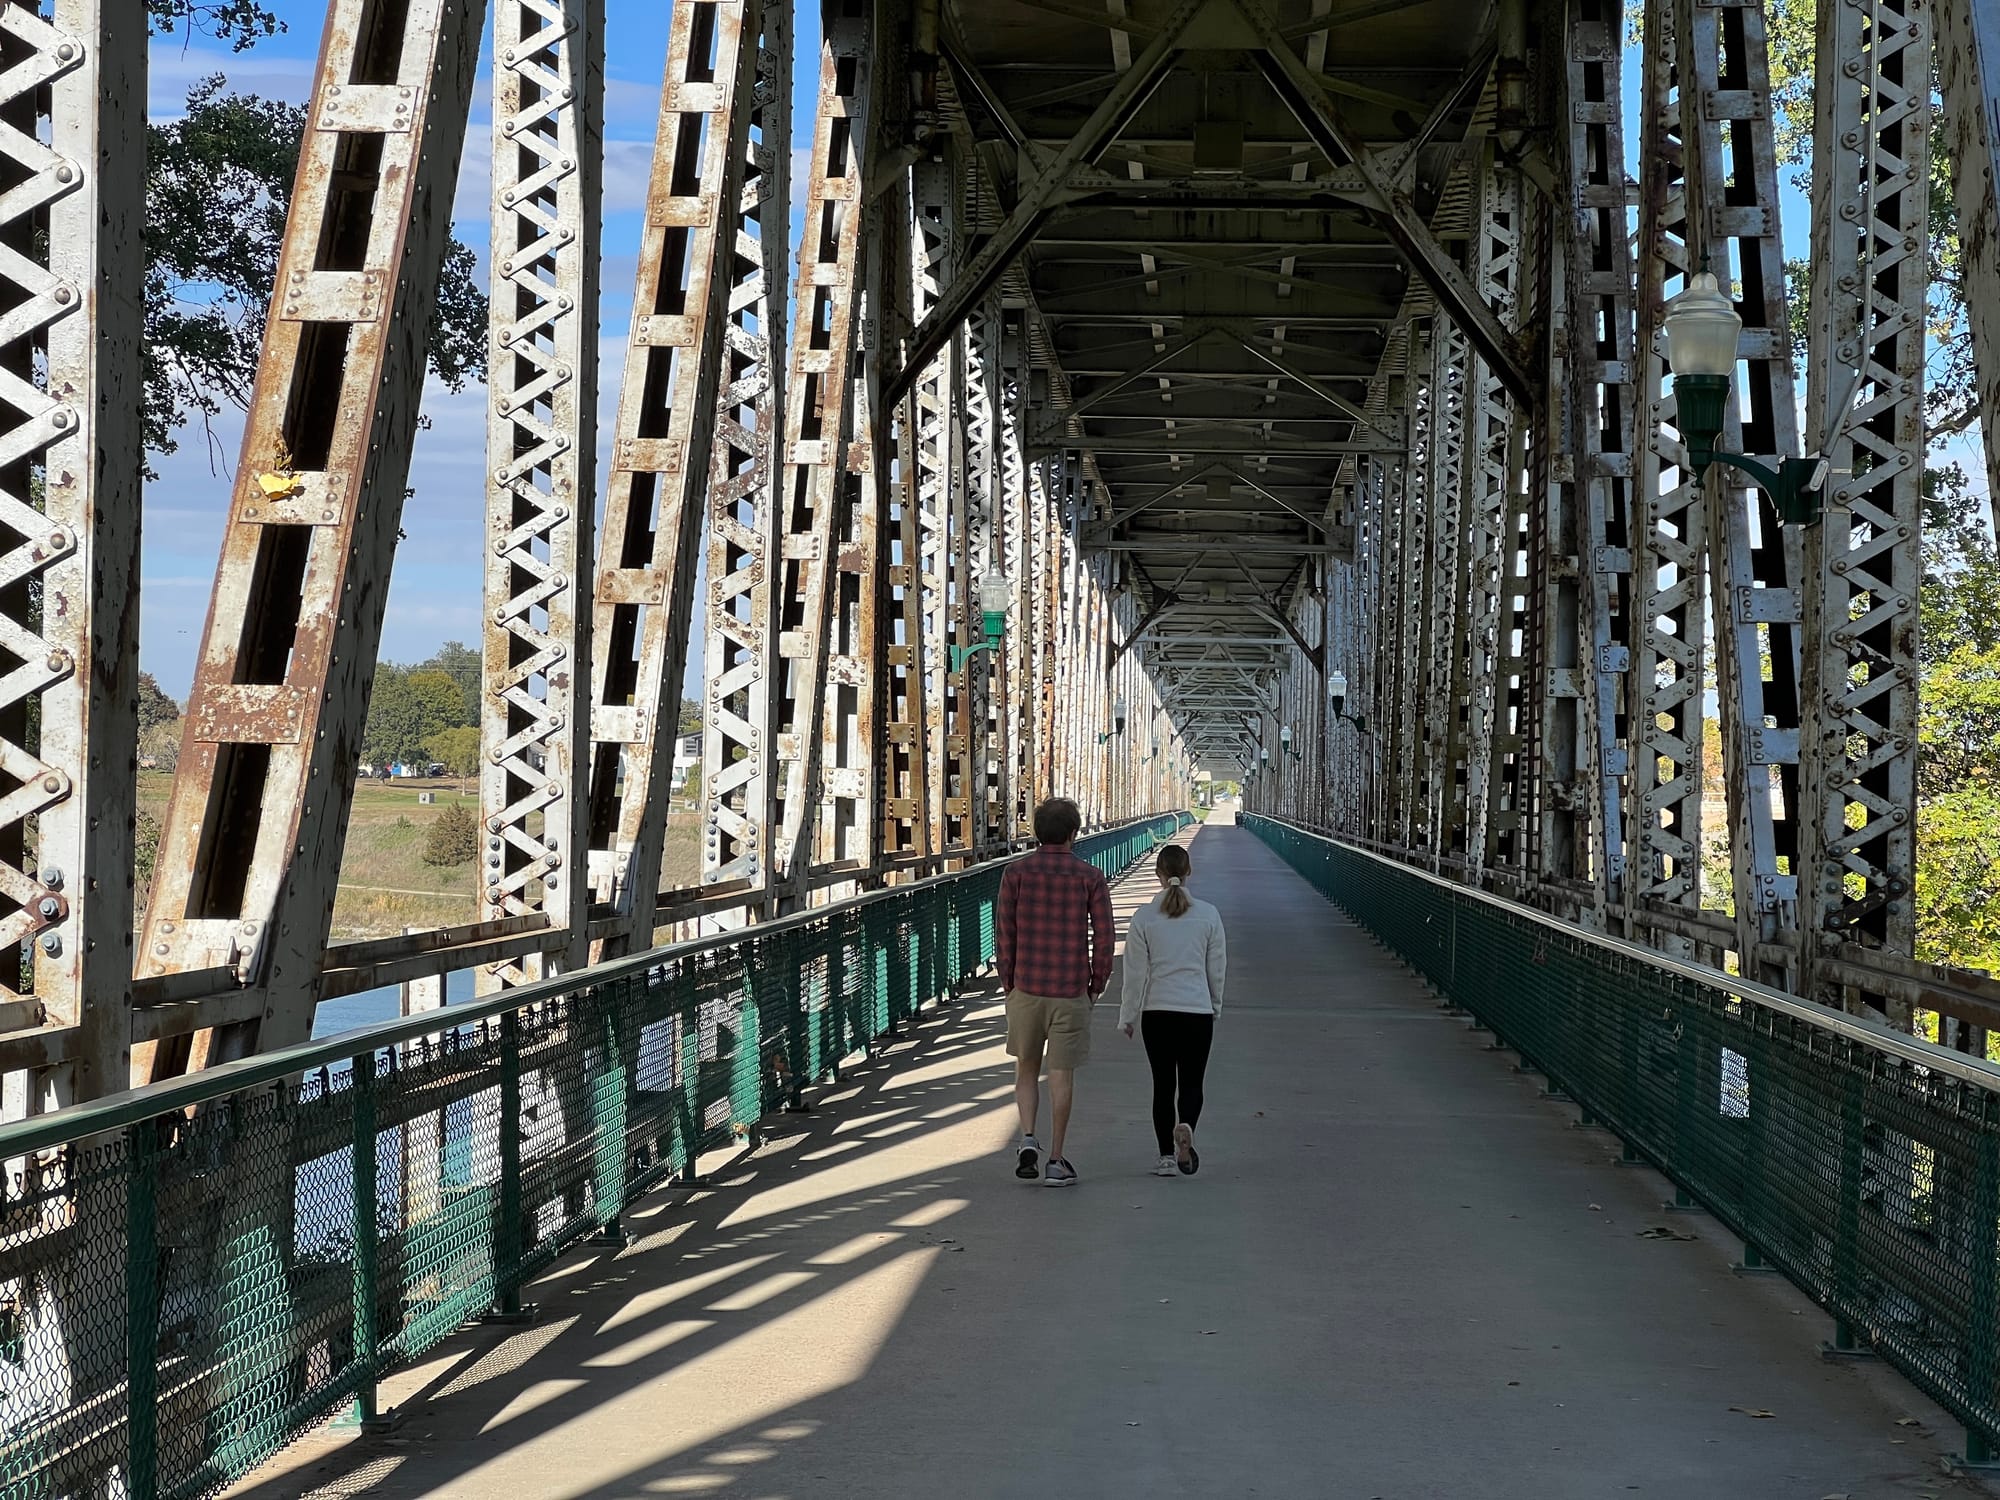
116, 1111
1869, 1033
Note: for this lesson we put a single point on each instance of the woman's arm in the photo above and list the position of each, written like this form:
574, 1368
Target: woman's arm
1138, 971
1218, 963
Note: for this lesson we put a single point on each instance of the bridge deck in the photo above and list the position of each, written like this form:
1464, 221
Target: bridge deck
1400, 1273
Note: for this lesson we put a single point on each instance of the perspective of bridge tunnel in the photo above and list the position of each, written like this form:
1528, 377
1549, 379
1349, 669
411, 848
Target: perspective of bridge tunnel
1403, 423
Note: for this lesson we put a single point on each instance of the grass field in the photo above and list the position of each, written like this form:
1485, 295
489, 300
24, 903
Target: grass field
385, 886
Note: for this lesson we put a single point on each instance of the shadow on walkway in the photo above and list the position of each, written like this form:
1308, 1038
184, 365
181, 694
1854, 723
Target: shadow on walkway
1400, 1274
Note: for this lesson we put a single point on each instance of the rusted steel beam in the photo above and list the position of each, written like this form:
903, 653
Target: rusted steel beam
818, 408
663, 450
541, 444
740, 639
72, 122
250, 853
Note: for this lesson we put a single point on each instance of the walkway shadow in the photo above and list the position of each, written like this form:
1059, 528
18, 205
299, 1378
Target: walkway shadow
851, 1202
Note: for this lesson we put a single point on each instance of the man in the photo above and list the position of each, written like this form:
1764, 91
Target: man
1055, 941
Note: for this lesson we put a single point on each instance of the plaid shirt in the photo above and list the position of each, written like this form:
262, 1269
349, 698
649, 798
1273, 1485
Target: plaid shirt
1055, 926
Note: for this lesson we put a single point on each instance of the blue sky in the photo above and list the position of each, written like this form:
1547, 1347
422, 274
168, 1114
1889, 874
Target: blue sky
435, 591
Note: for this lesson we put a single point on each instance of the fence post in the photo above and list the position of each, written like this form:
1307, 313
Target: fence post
367, 1258
607, 1114
142, 1312
508, 1307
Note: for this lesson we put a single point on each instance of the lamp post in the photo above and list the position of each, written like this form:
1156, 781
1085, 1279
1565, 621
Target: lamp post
996, 597
1285, 739
1336, 691
1117, 721
1702, 330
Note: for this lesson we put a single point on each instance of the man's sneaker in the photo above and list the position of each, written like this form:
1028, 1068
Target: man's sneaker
1028, 1168
1059, 1174
1167, 1168
1185, 1159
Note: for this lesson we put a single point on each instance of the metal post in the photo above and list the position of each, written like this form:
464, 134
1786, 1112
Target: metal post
541, 443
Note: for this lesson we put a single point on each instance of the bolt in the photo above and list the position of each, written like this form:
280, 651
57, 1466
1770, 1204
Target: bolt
52, 878
49, 907
51, 944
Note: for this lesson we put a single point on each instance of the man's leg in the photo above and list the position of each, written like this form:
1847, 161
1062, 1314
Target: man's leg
1061, 1087
1027, 1090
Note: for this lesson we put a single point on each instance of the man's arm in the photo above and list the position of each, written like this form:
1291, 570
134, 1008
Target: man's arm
1003, 928
1103, 936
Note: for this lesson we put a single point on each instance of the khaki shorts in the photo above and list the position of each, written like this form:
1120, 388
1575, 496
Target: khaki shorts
1059, 1025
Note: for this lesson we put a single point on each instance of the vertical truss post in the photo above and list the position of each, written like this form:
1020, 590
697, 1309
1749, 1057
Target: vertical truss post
1444, 609
975, 515
1732, 217
1865, 405
691, 296
1670, 537
1489, 420
72, 122
250, 852
1968, 41
1584, 770
906, 762
935, 446
1014, 745
1509, 783
818, 401
541, 443
740, 640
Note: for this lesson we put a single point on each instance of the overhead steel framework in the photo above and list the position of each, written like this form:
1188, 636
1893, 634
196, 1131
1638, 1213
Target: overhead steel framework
1297, 366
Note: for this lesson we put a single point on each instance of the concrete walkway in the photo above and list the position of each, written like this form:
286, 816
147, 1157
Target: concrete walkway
1399, 1274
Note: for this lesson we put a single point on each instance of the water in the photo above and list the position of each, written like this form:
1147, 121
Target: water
384, 1004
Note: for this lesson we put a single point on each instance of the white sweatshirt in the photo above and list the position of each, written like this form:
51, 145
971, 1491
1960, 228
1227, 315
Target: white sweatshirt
1172, 963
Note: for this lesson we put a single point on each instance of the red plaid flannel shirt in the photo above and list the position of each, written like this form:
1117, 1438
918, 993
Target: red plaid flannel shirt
1055, 927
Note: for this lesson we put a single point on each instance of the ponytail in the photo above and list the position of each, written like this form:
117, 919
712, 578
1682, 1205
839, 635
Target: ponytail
1174, 867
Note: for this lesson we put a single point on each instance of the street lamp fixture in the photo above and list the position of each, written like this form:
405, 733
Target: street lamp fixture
1285, 739
1336, 688
1702, 329
996, 597
1117, 721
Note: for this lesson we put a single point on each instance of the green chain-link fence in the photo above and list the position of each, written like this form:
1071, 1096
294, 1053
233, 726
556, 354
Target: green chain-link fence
192, 1274
1863, 1163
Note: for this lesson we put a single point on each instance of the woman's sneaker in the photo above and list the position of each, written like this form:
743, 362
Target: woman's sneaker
1185, 1159
1059, 1174
1168, 1167
1027, 1166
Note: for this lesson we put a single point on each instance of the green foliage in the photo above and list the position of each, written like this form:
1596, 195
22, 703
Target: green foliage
1958, 880
456, 749
241, 23
453, 838
219, 181
155, 707
162, 745
690, 716
461, 664
405, 709
145, 856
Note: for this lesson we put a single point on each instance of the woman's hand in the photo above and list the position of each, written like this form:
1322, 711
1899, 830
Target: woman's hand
1126, 1028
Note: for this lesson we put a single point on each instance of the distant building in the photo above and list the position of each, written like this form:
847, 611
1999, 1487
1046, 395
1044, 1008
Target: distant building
687, 755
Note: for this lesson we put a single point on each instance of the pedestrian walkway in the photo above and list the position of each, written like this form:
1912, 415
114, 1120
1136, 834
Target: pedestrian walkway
1400, 1274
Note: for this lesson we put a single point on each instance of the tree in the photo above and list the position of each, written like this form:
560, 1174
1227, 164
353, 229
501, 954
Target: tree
457, 750
241, 23
461, 664
155, 707
453, 837
404, 710
690, 716
162, 745
219, 182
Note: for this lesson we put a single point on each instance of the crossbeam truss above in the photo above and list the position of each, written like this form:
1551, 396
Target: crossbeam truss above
1315, 415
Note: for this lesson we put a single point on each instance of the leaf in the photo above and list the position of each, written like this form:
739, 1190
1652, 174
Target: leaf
1597, 1208
1661, 1232
1908, 1422
1753, 1411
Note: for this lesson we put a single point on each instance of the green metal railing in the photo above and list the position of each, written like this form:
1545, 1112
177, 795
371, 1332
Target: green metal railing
193, 1273
1861, 1162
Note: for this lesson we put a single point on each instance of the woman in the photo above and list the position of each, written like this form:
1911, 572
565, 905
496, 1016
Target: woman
1173, 989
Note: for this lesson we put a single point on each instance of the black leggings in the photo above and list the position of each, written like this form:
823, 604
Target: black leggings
1177, 1046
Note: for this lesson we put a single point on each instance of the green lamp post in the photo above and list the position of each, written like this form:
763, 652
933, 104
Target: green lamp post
1285, 740
1702, 330
1117, 721
996, 597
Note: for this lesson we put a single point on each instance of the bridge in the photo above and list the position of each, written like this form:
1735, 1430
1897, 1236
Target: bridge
1403, 414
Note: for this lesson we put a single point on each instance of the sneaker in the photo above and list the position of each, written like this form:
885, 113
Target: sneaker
1168, 1167
1028, 1168
1185, 1159
1059, 1174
